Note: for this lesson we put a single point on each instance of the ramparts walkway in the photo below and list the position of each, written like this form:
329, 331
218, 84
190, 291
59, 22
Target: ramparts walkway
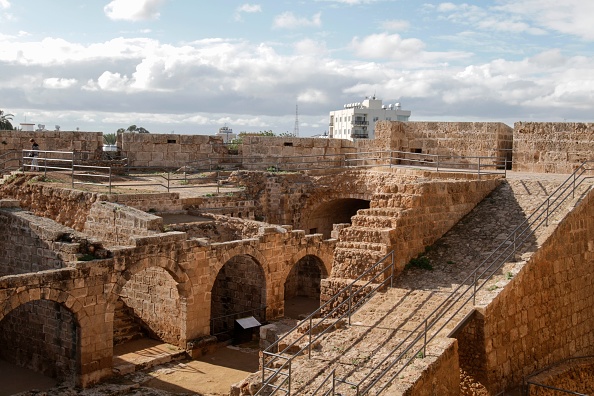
389, 317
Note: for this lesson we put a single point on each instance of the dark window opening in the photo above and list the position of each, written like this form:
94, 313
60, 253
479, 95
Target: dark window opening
171, 141
416, 151
288, 144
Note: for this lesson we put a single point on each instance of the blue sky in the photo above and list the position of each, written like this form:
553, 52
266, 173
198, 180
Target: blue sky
190, 67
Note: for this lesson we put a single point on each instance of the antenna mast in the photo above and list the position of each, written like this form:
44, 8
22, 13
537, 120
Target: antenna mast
296, 129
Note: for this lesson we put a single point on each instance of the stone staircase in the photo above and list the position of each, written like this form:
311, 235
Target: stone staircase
367, 240
388, 318
125, 326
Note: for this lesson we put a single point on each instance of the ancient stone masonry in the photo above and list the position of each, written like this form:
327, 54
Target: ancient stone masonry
167, 280
558, 147
547, 313
466, 139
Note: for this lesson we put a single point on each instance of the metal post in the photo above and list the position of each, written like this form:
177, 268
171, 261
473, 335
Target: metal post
474, 292
45, 165
437, 169
548, 208
425, 340
289, 386
350, 297
110, 180
218, 179
168, 177
309, 346
392, 272
72, 170
479, 167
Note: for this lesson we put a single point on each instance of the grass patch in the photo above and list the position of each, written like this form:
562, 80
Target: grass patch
421, 262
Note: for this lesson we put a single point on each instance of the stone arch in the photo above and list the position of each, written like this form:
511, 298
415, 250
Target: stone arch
322, 215
238, 290
41, 329
150, 299
301, 289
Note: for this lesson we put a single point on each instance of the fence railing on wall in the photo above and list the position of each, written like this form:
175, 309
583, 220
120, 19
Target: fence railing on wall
213, 171
414, 345
276, 364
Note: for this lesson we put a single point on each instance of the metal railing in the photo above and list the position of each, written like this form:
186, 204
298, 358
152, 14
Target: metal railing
79, 164
9, 161
340, 306
481, 165
529, 383
414, 345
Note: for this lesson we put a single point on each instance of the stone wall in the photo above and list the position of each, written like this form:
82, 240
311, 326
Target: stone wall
66, 206
576, 375
448, 139
115, 224
298, 153
546, 314
170, 150
42, 336
442, 376
29, 243
153, 297
552, 147
51, 140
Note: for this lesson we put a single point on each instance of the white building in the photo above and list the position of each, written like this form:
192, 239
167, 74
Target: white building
226, 133
357, 120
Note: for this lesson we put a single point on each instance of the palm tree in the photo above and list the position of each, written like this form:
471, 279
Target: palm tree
5, 119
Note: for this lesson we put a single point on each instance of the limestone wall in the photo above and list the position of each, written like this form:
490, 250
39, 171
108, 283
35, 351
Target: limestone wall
29, 243
148, 202
169, 150
448, 139
546, 313
297, 153
42, 336
152, 295
576, 375
52, 140
115, 224
552, 147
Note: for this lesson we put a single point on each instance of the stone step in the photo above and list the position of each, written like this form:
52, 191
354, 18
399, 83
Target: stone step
125, 326
373, 221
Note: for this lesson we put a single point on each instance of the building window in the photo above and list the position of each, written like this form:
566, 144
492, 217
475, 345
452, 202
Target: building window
375, 119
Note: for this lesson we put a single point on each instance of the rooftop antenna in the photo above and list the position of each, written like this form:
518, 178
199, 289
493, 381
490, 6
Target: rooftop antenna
296, 129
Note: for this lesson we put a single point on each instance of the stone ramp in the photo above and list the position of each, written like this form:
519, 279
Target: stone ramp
390, 317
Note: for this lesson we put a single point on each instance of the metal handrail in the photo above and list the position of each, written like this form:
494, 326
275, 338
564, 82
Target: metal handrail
345, 303
515, 240
527, 381
330, 377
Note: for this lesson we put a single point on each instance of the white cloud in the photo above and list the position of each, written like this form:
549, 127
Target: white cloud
4, 4
133, 10
395, 25
246, 9
386, 46
573, 17
288, 20
491, 19
59, 83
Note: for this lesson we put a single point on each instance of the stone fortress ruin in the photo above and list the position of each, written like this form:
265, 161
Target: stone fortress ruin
82, 269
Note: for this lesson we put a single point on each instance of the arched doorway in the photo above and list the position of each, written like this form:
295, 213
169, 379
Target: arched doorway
239, 291
43, 336
302, 287
149, 305
321, 220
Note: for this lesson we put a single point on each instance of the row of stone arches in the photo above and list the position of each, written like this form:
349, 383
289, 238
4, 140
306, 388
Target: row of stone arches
157, 296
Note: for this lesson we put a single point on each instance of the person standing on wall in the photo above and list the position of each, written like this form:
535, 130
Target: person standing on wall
34, 154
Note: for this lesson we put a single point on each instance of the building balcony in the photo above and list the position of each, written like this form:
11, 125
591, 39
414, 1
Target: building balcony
359, 123
359, 135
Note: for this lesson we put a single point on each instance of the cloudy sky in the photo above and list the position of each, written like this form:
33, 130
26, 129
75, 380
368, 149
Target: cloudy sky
192, 66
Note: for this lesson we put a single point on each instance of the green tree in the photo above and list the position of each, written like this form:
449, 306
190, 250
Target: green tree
5, 124
110, 138
134, 128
